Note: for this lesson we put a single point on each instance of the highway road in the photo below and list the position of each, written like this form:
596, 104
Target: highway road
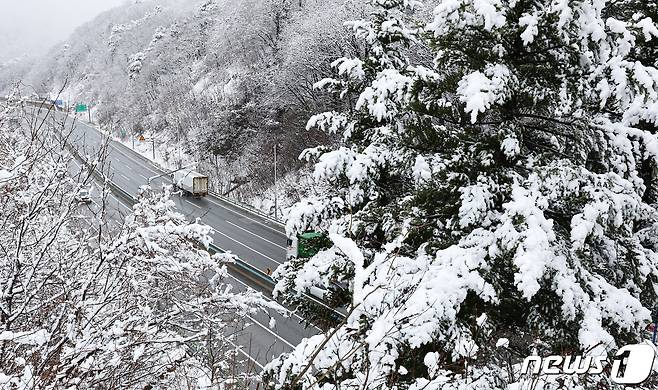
255, 240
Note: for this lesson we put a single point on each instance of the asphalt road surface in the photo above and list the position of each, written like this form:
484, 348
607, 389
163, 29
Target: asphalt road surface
255, 240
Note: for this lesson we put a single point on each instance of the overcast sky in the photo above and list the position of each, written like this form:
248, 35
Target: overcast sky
32, 26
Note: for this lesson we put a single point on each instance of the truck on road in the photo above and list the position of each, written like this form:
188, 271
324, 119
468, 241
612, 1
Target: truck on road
191, 182
306, 245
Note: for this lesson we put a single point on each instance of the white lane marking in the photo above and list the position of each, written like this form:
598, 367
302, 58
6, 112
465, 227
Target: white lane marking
142, 163
244, 216
125, 177
246, 354
121, 152
246, 246
270, 299
125, 154
129, 168
190, 202
267, 329
109, 193
254, 234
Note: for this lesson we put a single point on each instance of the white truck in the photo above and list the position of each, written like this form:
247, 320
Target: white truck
191, 182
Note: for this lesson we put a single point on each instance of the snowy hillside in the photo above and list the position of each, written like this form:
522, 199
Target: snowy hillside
471, 194
221, 82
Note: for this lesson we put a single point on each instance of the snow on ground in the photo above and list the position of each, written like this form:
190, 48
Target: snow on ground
166, 154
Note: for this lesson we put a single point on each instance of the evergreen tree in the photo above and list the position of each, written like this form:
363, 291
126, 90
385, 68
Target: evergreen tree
495, 203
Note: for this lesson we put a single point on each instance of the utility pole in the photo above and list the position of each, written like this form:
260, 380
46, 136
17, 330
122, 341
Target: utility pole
180, 161
276, 203
153, 139
89, 111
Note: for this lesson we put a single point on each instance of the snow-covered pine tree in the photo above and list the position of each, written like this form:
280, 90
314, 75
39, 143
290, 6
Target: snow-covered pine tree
506, 190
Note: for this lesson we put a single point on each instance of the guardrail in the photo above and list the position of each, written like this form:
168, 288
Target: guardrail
234, 202
212, 248
39, 103
270, 282
247, 207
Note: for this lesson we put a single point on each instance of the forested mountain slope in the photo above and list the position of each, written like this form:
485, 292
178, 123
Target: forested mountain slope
487, 178
218, 81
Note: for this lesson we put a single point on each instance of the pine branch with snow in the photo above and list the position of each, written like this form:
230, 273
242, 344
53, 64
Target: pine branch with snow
507, 190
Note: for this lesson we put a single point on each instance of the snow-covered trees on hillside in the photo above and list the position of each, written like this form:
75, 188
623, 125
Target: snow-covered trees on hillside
507, 190
85, 306
224, 79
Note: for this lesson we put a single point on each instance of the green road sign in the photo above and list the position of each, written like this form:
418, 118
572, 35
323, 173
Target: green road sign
80, 108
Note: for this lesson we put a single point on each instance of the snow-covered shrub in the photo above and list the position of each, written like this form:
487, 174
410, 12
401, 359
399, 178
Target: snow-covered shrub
85, 303
504, 190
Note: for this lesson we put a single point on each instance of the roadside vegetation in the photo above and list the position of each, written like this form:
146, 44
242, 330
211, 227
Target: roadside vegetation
477, 179
92, 299
495, 202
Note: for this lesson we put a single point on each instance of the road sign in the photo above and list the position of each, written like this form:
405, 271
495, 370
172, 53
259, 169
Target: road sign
141, 138
80, 108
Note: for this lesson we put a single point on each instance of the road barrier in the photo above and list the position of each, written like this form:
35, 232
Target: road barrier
253, 271
248, 208
233, 202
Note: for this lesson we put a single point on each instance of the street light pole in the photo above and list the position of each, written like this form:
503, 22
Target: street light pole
180, 160
276, 203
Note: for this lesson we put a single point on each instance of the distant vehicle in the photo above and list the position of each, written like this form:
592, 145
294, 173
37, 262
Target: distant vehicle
306, 245
83, 196
191, 182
